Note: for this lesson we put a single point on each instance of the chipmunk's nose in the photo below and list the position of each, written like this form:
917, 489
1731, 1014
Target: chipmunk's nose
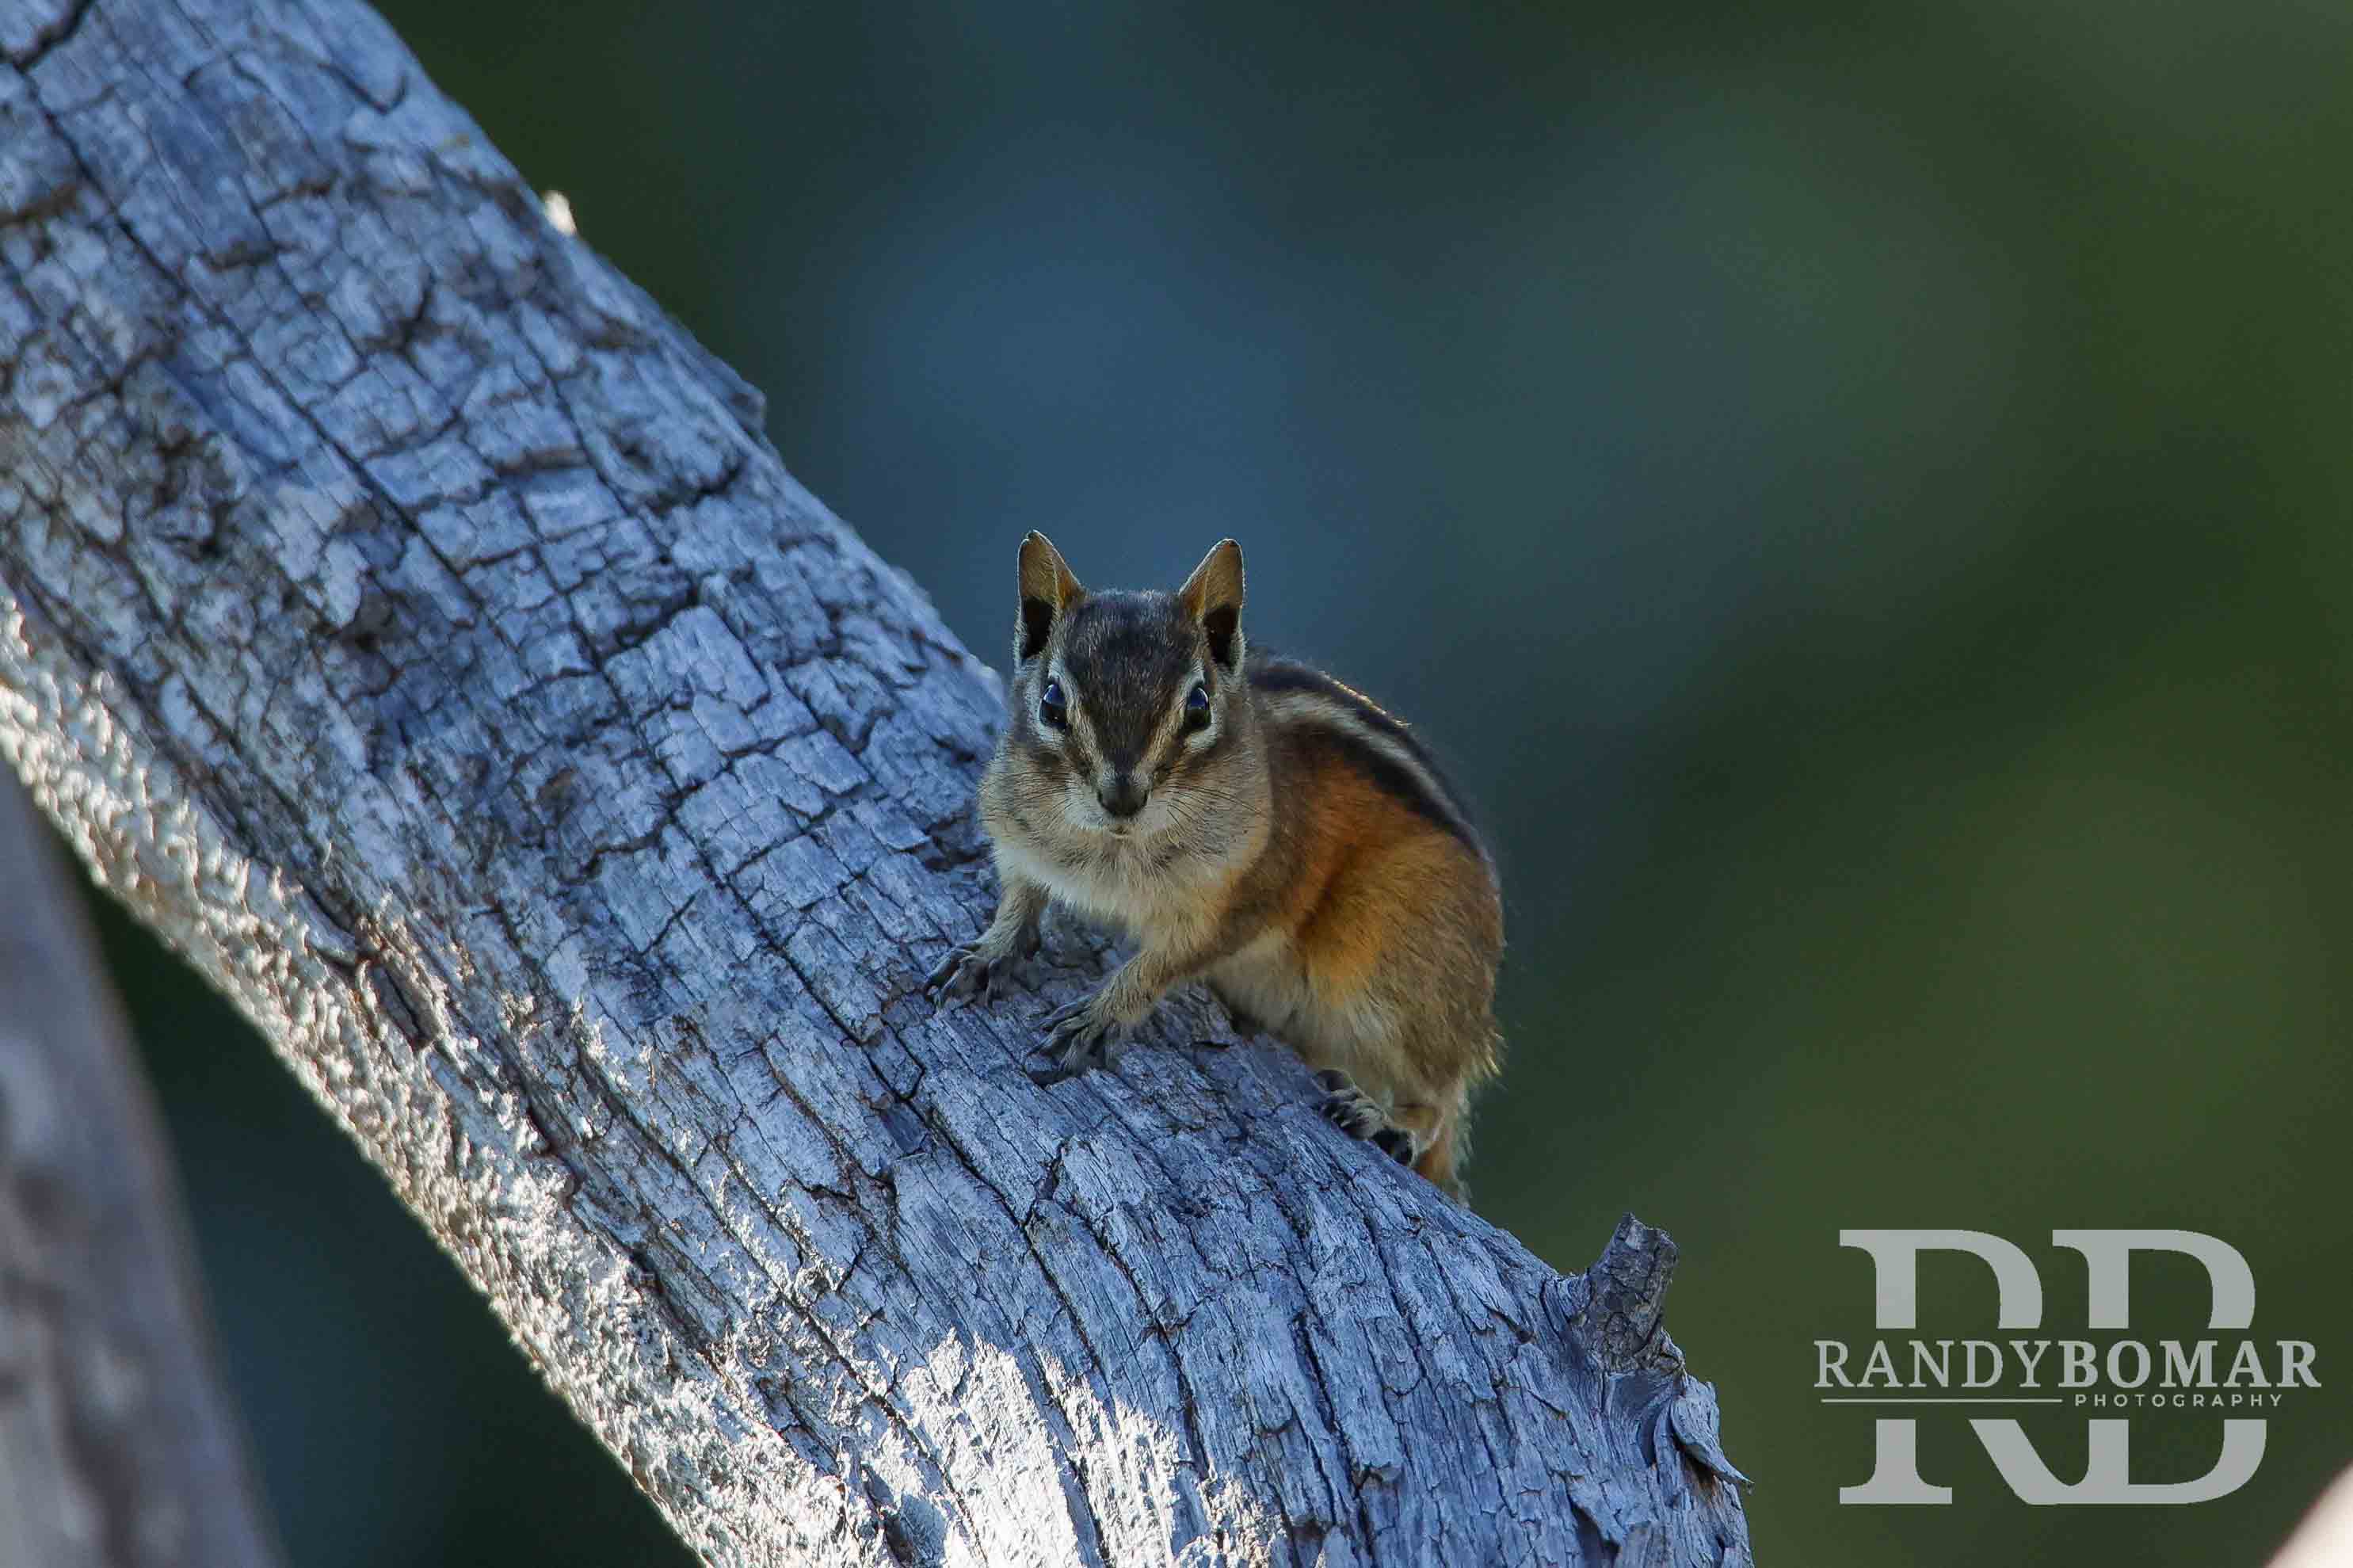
1123, 796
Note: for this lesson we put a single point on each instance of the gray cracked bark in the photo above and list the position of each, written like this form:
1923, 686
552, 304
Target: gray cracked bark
117, 1446
413, 625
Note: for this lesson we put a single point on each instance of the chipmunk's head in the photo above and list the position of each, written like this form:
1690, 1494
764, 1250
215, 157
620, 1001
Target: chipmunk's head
1121, 701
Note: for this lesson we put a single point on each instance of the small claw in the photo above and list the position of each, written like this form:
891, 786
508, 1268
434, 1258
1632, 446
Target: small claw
1352, 1112
946, 979
964, 972
1077, 1039
1360, 1116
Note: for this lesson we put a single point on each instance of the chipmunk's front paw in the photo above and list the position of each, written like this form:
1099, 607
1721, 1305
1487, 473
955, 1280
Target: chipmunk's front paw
1079, 1039
966, 971
1359, 1115
972, 970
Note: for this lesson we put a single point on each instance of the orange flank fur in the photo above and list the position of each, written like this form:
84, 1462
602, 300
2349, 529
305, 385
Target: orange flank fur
1368, 859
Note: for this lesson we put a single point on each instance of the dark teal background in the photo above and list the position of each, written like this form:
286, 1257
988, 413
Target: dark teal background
1864, 494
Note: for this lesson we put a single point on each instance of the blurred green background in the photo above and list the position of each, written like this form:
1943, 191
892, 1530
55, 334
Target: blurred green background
1862, 493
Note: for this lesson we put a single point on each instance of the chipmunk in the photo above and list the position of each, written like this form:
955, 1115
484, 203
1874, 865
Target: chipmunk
1251, 822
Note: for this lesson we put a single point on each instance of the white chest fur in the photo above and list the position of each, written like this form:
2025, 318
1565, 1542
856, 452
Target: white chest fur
1121, 885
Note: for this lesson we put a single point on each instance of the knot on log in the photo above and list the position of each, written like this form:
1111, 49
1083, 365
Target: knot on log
1617, 1302
1614, 1310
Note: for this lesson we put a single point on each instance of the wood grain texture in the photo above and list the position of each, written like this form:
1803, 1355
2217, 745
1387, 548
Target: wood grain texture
413, 624
117, 1445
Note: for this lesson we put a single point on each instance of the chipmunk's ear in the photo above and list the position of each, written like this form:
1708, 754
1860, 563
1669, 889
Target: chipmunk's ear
1213, 596
1048, 590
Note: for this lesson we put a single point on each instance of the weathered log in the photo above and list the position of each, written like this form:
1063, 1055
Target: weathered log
414, 626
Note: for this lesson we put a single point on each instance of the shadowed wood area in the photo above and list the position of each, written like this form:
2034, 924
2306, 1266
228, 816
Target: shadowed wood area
117, 1446
410, 622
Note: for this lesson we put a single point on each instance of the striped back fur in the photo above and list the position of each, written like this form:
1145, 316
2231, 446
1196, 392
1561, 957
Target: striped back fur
1302, 698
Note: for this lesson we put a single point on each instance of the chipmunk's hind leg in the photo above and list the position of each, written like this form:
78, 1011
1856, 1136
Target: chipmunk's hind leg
1425, 1136
1359, 1115
1439, 1145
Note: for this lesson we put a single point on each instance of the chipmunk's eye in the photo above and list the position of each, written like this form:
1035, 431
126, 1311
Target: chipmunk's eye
1051, 709
1197, 708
